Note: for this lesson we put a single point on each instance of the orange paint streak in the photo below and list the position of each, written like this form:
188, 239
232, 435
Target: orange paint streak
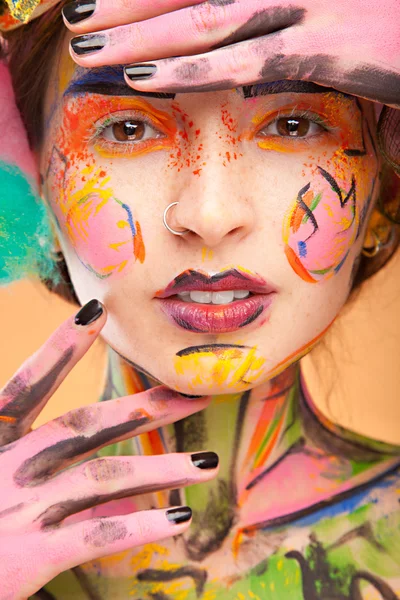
297, 266
265, 419
138, 244
155, 442
8, 419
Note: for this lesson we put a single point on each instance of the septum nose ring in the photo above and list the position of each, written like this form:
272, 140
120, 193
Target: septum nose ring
184, 232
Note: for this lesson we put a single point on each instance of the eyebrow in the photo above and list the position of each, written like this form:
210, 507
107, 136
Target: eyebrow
109, 81
286, 86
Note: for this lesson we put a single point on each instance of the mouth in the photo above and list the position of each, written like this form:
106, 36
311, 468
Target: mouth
221, 303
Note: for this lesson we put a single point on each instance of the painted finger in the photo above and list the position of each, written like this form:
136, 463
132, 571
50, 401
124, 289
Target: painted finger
85, 16
81, 432
78, 543
189, 31
24, 396
281, 56
111, 478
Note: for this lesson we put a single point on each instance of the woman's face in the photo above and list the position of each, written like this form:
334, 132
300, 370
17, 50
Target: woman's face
275, 184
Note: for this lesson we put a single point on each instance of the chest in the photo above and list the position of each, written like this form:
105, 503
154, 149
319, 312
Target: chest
346, 550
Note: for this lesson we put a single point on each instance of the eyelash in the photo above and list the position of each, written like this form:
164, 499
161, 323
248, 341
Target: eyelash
295, 113
95, 136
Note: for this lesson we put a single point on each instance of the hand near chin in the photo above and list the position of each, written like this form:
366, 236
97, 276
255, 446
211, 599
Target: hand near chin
38, 491
221, 44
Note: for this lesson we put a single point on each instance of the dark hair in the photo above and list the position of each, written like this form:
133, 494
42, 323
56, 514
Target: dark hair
30, 49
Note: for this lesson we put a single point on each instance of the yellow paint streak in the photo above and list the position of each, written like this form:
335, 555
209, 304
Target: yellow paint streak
224, 367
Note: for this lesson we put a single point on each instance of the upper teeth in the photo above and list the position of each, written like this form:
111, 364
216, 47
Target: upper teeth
213, 297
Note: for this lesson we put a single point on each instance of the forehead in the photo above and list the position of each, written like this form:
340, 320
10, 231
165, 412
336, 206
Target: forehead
71, 79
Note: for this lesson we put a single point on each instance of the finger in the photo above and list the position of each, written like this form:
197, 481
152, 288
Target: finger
24, 396
110, 478
282, 56
84, 16
78, 543
81, 432
189, 31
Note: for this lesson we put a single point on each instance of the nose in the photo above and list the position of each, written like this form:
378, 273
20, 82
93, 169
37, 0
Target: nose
215, 205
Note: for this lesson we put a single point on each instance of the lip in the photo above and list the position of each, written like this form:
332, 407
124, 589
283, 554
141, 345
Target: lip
213, 318
232, 279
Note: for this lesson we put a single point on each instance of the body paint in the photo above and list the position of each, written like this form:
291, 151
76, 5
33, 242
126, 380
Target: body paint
258, 529
228, 365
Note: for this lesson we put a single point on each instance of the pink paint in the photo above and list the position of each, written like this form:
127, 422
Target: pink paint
14, 147
325, 248
101, 234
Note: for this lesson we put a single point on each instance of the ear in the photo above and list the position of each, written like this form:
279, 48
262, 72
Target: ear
14, 145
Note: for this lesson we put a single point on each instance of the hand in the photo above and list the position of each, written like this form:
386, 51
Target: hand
37, 489
221, 44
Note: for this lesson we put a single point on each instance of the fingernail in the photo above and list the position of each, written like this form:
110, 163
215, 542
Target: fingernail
87, 44
189, 396
205, 460
78, 11
89, 313
179, 515
140, 71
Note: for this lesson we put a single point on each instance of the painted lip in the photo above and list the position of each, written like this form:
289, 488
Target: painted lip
213, 318
233, 279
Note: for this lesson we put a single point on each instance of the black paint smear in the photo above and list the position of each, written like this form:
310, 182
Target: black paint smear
307, 210
56, 513
105, 532
40, 467
12, 509
335, 187
321, 581
253, 317
220, 3
185, 325
189, 71
264, 22
212, 525
199, 576
211, 348
26, 398
366, 80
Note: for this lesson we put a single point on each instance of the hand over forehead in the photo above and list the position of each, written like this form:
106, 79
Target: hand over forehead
221, 44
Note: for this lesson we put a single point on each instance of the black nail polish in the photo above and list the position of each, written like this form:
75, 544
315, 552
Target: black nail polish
135, 72
179, 515
205, 460
89, 313
78, 11
87, 44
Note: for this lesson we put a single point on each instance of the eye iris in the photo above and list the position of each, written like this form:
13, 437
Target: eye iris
128, 130
294, 127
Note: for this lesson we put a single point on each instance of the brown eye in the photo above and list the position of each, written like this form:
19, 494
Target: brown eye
126, 131
293, 126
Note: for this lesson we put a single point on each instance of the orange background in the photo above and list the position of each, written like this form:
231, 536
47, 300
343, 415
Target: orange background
353, 376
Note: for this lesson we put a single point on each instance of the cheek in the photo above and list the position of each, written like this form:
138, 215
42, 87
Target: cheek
100, 228
326, 218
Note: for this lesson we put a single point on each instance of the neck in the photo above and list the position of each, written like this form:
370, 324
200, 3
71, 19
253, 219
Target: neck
270, 442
